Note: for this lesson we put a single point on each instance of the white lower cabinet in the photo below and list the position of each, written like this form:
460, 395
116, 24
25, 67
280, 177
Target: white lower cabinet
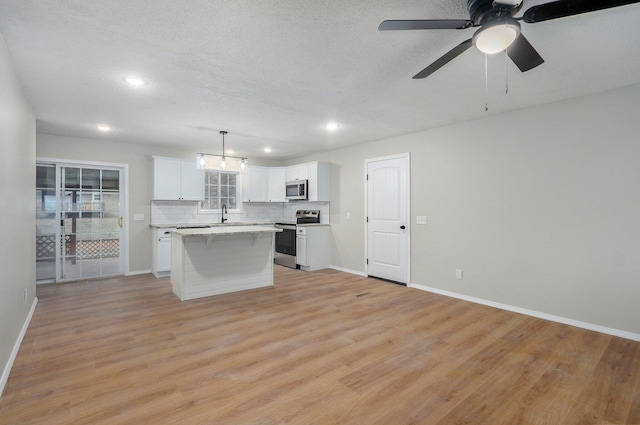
312, 247
161, 253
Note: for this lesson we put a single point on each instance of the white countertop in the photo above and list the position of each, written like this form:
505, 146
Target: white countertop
226, 229
233, 223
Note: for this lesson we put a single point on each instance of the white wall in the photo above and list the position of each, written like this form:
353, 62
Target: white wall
539, 207
17, 212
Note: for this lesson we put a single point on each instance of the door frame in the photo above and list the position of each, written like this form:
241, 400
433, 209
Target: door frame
124, 196
407, 156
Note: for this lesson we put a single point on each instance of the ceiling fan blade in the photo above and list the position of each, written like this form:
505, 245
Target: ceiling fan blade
426, 24
523, 54
445, 59
562, 8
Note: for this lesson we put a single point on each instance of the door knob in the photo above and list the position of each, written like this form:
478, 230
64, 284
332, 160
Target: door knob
403, 227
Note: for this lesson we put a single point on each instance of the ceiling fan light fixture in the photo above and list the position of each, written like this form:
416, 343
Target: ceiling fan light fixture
495, 37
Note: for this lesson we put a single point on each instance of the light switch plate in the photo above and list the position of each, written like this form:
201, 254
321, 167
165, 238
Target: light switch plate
421, 219
138, 217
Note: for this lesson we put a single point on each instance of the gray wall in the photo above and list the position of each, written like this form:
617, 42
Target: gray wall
17, 209
140, 164
539, 207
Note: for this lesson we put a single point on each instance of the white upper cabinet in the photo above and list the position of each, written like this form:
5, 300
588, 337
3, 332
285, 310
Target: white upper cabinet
177, 180
277, 184
264, 184
255, 184
317, 175
297, 172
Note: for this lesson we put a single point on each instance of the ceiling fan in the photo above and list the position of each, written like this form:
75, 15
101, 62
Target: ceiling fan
499, 28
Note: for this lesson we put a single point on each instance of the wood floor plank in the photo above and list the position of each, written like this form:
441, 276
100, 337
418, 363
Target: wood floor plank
323, 347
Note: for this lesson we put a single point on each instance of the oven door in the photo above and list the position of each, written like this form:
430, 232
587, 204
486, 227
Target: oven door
286, 240
285, 248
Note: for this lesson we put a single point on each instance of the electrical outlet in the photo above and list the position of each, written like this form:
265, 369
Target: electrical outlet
348, 216
459, 274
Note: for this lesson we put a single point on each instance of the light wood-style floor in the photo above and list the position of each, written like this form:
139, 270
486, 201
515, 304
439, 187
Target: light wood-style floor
318, 348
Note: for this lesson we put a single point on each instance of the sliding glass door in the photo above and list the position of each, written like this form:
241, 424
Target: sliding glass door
46, 223
87, 222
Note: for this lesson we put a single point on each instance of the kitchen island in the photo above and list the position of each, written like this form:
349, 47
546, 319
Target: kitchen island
222, 259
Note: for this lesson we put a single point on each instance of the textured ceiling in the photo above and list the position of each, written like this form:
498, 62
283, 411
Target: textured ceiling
272, 73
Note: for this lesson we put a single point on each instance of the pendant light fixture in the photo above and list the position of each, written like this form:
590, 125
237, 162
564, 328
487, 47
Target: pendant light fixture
222, 162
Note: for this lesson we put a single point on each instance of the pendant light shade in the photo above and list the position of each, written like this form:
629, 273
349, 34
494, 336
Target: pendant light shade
222, 162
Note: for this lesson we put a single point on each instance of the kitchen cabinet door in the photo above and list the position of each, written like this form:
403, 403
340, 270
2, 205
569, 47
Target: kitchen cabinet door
191, 182
255, 187
277, 184
166, 179
164, 255
177, 180
297, 172
301, 250
161, 253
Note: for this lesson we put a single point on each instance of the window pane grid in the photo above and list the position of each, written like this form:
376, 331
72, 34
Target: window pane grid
220, 189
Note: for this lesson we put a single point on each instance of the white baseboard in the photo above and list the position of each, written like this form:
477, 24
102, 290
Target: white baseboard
137, 272
16, 347
342, 269
533, 313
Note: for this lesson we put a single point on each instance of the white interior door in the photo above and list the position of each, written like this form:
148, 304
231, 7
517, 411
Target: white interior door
388, 218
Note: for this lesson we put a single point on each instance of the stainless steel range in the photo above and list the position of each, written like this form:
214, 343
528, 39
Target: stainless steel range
286, 240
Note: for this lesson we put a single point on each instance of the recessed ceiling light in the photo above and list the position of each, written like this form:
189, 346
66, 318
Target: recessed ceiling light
134, 81
332, 126
267, 150
104, 128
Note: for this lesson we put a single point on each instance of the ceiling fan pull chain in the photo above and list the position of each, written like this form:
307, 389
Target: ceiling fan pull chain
506, 66
486, 82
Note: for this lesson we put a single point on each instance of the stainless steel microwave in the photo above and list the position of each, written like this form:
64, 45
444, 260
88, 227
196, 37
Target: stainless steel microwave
297, 190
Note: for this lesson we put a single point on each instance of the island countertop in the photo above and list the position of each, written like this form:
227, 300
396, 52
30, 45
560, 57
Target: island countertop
225, 230
211, 224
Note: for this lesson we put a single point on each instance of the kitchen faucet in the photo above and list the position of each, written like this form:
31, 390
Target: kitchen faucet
224, 210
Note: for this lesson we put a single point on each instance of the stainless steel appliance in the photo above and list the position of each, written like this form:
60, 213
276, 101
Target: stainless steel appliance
286, 240
286, 245
297, 190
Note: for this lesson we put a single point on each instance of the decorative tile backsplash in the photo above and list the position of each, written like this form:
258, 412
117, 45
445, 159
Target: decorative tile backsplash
185, 212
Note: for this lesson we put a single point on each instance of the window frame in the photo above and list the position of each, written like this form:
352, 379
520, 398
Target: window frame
238, 209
